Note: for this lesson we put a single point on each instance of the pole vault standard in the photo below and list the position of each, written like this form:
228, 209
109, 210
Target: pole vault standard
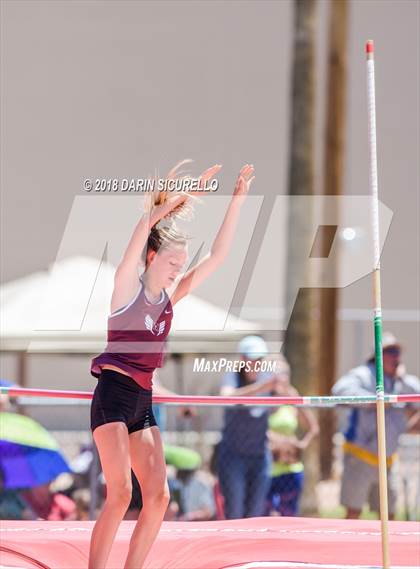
380, 403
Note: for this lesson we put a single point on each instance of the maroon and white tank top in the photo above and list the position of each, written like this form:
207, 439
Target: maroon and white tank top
136, 337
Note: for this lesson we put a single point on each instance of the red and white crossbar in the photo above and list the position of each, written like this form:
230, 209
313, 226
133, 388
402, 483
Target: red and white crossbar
310, 401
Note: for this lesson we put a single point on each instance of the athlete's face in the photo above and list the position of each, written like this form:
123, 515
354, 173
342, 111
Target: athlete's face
391, 360
253, 366
168, 264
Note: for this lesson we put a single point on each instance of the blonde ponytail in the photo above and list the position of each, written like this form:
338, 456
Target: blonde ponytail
186, 209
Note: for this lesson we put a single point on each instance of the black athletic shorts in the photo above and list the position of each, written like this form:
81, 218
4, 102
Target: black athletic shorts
117, 397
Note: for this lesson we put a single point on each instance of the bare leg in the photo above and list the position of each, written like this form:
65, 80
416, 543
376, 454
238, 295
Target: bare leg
148, 463
113, 447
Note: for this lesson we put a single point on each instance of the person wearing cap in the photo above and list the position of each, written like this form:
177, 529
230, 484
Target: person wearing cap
243, 454
360, 483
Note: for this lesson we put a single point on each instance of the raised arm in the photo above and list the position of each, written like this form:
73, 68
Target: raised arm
222, 243
126, 282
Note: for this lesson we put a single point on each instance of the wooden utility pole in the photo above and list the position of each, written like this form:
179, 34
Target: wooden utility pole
300, 337
333, 184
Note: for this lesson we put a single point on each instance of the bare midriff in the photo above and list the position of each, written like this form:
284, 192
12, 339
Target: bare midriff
115, 368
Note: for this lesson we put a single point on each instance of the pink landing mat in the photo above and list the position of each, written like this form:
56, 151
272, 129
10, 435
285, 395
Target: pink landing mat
253, 543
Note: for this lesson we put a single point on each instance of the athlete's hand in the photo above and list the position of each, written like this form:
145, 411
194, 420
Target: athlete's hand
243, 182
160, 211
208, 175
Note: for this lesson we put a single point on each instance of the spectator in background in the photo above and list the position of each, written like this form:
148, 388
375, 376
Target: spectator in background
190, 488
287, 471
360, 482
81, 498
191, 497
196, 501
243, 455
12, 506
47, 505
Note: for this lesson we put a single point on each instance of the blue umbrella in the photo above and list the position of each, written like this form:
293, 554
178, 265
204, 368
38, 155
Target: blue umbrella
29, 455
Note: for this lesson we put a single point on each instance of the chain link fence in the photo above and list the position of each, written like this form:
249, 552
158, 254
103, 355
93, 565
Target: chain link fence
220, 467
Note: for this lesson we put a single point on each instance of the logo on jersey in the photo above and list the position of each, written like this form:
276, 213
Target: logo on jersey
155, 328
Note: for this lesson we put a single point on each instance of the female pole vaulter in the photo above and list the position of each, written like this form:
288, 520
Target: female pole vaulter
122, 422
